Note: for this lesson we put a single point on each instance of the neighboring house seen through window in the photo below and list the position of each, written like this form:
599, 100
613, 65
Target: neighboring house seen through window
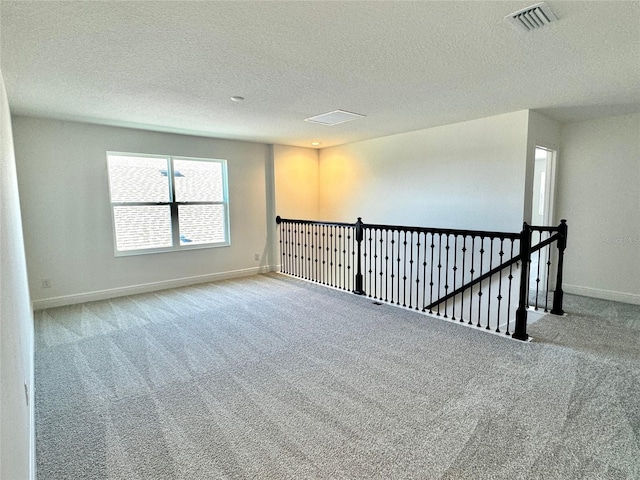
167, 203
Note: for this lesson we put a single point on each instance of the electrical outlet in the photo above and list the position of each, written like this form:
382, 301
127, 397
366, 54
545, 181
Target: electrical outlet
256, 256
46, 283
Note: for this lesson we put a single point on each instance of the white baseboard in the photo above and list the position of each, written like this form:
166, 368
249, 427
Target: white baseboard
146, 287
603, 294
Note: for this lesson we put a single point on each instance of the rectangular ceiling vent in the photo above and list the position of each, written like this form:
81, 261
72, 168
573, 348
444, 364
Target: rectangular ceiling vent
334, 118
532, 18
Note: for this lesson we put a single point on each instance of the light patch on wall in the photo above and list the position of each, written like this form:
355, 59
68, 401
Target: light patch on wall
340, 177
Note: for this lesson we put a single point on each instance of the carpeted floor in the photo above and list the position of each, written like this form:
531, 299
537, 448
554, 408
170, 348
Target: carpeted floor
269, 377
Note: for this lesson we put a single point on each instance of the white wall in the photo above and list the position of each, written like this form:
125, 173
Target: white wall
296, 182
469, 175
16, 320
62, 174
599, 195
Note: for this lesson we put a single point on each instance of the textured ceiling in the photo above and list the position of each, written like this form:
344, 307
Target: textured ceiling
172, 66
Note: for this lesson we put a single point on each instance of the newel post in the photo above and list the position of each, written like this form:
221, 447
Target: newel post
520, 331
359, 236
559, 294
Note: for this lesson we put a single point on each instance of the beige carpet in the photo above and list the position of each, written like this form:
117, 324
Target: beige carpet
270, 377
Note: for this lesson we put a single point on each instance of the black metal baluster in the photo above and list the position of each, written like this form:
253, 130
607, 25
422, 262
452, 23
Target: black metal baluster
370, 260
290, 256
410, 271
317, 254
302, 236
380, 273
385, 278
439, 269
473, 253
464, 258
325, 256
480, 283
327, 247
418, 244
455, 269
501, 255
345, 257
330, 256
299, 244
374, 245
398, 269
294, 250
320, 253
510, 277
301, 250
489, 279
424, 274
336, 257
345, 253
331, 239
340, 258
431, 282
404, 275
289, 249
349, 259
393, 260
546, 287
309, 252
316, 240
446, 274
338, 250
305, 252
538, 270
298, 249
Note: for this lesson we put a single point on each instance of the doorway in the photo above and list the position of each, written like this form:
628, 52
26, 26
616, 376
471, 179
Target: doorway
543, 187
542, 214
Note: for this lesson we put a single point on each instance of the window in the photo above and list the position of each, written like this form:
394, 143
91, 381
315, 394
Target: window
166, 203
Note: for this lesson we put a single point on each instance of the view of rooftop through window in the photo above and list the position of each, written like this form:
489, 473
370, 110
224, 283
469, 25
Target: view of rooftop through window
162, 203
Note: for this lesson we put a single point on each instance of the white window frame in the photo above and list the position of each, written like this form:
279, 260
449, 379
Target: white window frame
173, 205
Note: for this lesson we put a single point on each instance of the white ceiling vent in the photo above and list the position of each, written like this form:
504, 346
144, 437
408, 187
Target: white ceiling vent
334, 118
532, 18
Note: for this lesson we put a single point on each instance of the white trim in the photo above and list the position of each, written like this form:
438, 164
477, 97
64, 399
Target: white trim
632, 298
146, 287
